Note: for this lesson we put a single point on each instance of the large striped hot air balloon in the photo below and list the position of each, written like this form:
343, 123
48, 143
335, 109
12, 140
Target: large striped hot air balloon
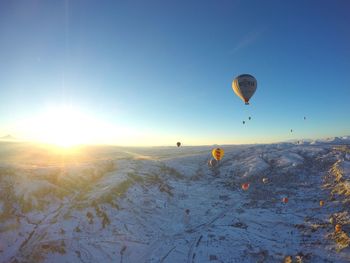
244, 86
218, 153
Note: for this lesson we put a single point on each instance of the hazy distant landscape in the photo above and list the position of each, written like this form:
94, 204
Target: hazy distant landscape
119, 204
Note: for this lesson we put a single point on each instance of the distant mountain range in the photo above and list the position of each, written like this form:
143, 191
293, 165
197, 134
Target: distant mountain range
331, 140
8, 137
340, 140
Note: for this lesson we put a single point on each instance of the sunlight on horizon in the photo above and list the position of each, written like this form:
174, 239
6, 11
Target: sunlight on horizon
66, 127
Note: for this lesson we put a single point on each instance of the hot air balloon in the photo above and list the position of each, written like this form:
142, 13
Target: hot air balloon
291, 130
249, 118
321, 203
304, 118
337, 228
212, 163
285, 200
265, 180
178, 144
244, 86
218, 153
243, 122
245, 186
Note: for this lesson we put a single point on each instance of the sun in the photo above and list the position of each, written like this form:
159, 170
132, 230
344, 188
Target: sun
65, 127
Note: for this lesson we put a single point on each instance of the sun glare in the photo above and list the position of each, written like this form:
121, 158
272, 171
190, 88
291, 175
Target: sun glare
64, 127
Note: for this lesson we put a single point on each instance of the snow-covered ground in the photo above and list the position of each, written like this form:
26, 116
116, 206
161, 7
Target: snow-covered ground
164, 204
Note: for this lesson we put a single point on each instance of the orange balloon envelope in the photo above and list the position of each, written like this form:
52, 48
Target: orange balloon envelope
337, 228
321, 203
285, 200
245, 186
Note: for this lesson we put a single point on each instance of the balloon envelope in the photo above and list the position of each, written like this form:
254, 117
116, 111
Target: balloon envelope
178, 144
337, 228
245, 186
244, 86
218, 153
212, 162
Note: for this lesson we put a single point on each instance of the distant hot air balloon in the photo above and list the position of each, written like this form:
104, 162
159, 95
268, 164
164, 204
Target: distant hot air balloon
291, 130
243, 122
337, 228
304, 118
212, 163
178, 144
285, 200
321, 203
245, 186
265, 180
218, 153
249, 118
244, 86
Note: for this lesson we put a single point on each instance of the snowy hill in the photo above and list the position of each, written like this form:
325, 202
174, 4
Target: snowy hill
163, 204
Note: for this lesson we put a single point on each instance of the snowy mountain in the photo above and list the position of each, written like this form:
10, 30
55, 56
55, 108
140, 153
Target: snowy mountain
331, 140
7, 137
334, 140
164, 204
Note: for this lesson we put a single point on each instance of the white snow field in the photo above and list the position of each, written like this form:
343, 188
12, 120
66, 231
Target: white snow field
163, 204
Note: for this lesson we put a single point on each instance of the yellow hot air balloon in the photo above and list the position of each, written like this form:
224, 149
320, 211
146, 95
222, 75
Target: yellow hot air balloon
218, 153
244, 86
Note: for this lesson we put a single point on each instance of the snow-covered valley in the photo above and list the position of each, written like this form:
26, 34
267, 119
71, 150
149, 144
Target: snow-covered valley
165, 204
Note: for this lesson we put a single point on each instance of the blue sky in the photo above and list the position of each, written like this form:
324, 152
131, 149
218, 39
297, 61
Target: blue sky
164, 68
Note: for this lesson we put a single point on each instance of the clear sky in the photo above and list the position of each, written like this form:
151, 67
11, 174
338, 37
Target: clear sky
157, 72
